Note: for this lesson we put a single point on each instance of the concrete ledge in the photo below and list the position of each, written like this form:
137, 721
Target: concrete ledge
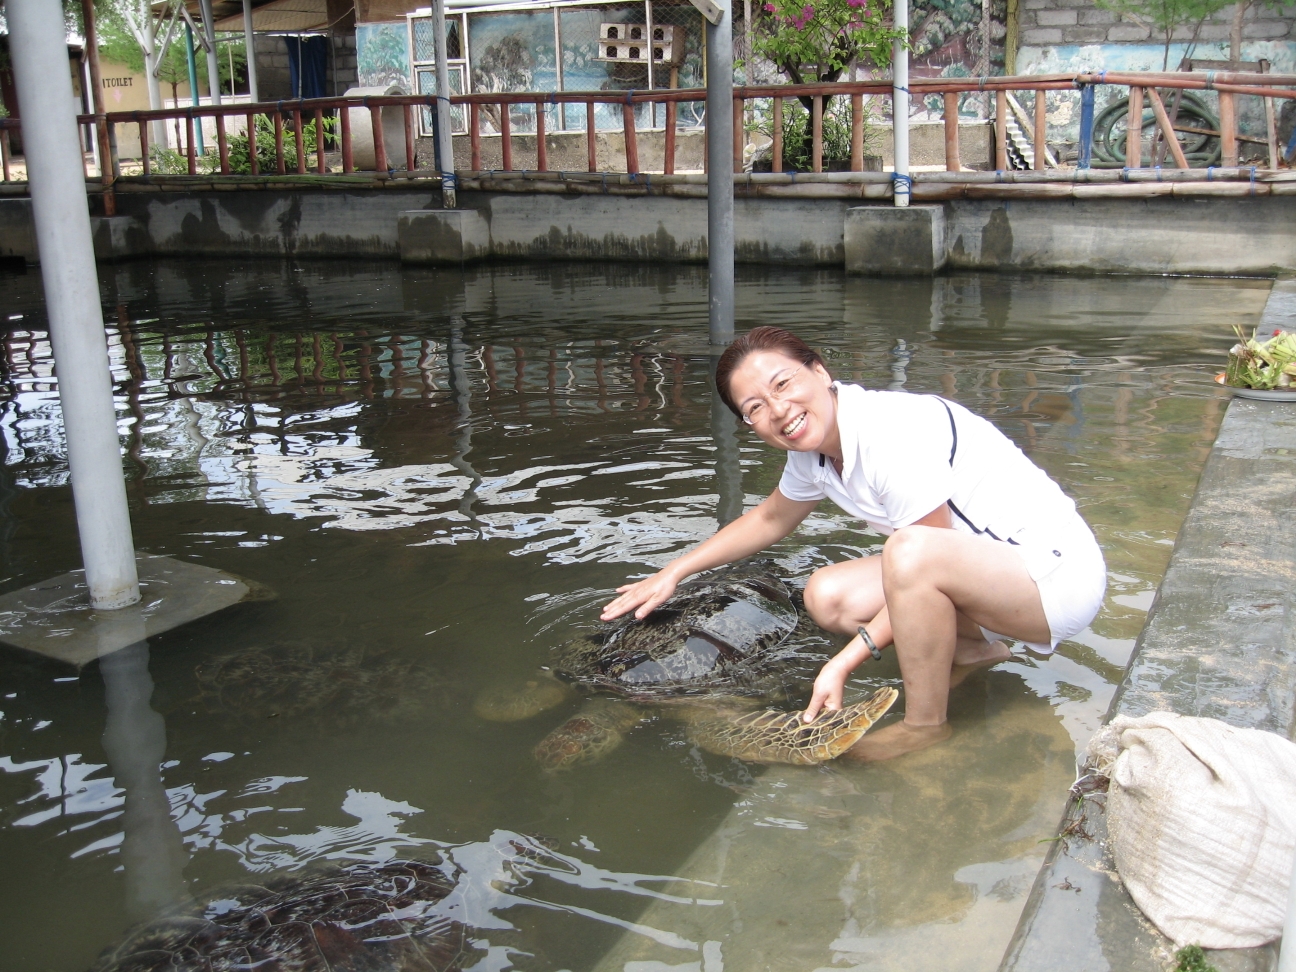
1219, 643
887, 241
442, 236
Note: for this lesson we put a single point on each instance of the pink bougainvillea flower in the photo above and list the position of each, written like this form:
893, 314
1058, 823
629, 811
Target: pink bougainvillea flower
769, 7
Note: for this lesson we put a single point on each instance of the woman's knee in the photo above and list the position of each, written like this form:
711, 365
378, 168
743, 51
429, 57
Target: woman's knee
910, 553
823, 598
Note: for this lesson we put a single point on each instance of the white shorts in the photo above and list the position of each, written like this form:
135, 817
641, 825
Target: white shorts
1069, 570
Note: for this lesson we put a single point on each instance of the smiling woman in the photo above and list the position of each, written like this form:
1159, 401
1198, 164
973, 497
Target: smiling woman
980, 540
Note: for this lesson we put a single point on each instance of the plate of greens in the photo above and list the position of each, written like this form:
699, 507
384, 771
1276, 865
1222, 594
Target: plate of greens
1264, 370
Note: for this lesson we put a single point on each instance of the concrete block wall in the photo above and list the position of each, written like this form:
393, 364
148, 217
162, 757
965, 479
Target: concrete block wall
274, 80
1042, 23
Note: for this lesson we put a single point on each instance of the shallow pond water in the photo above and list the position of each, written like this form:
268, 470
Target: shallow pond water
441, 475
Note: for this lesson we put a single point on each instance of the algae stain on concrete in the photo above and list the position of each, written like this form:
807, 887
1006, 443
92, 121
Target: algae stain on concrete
997, 240
559, 243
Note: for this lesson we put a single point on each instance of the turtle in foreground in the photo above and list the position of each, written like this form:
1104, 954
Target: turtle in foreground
710, 656
358, 918
295, 679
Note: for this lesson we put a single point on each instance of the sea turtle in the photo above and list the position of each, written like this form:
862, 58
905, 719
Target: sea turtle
359, 917
709, 656
336, 684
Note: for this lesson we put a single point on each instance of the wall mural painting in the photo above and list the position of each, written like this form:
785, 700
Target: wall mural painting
382, 54
956, 39
1064, 106
513, 51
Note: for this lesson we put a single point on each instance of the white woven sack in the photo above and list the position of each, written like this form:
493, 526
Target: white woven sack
1202, 818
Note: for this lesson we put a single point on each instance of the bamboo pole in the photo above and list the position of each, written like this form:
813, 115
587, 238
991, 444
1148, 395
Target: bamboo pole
189, 146
145, 161
4, 152
1167, 128
1228, 129
254, 163
816, 134
1001, 130
1134, 129
857, 133
776, 163
591, 142
1041, 129
542, 150
951, 108
474, 134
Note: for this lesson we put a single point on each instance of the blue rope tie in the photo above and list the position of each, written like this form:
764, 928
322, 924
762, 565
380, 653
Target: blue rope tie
901, 184
1251, 191
1209, 170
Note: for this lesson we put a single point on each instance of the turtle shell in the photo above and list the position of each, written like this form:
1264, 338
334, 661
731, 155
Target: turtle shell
361, 917
716, 632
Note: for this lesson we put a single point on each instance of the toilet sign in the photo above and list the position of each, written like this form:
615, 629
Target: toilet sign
708, 10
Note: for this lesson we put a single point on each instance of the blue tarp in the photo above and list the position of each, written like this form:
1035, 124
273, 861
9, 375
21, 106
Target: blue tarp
307, 65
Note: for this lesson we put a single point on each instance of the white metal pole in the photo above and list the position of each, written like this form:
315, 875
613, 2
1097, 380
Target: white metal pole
213, 59
249, 40
445, 138
57, 181
900, 105
720, 192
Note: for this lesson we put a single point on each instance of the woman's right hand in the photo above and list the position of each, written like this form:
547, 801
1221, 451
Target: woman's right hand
643, 597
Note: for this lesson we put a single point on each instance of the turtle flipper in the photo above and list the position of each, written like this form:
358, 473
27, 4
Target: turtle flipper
589, 735
772, 736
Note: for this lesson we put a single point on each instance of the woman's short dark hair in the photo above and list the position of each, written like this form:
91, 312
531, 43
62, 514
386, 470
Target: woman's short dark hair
760, 339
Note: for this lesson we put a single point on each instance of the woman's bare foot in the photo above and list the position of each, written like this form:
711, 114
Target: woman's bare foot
969, 651
896, 740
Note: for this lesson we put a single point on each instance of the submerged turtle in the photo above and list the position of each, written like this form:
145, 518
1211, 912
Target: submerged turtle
293, 679
709, 656
361, 917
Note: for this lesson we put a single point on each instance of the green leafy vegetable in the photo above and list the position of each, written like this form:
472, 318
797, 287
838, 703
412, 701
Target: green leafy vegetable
1266, 364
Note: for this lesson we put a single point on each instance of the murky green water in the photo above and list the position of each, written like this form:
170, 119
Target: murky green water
440, 475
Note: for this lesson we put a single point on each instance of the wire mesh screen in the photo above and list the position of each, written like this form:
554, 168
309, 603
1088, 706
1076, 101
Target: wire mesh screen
425, 78
689, 72
583, 71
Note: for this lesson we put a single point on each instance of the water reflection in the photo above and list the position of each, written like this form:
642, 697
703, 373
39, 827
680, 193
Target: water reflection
152, 851
441, 474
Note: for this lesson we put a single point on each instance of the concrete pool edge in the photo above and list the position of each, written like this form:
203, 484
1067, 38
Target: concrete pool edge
1207, 236
1210, 648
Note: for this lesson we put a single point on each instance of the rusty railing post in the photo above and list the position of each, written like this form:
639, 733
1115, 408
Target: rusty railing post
668, 162
857, 133
380, 146
145, 162
280, 165
631, 141
344, 132
320, 167
189, 143
738, 134
222, 146
542, 150
506, 136
299, 141
591, 143
408, 118
474, 135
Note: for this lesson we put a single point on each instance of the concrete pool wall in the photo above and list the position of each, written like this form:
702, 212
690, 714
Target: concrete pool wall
1234, 235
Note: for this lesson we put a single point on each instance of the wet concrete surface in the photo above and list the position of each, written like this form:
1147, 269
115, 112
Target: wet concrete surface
1220, 643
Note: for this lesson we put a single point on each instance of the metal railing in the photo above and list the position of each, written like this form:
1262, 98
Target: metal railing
289, 119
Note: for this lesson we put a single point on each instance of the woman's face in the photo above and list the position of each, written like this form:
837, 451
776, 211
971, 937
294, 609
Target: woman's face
790, 404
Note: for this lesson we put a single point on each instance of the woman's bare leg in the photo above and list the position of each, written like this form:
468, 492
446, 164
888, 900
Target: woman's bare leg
841, 597
931, 576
